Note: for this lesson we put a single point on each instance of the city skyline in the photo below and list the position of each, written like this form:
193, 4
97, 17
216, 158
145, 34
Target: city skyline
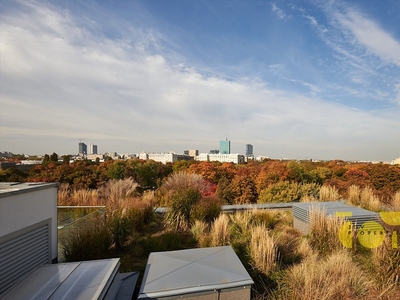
297, 80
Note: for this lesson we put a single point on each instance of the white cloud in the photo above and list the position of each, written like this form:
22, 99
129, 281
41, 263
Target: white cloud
280, 13
370, 35
59, 81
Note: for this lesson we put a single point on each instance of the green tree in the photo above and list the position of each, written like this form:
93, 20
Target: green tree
46, 160
117, 170
54, 157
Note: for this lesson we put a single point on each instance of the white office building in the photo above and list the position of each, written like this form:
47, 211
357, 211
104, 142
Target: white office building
235, 158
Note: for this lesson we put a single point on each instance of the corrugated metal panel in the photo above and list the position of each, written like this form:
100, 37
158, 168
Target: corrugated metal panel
357, 216
22, 254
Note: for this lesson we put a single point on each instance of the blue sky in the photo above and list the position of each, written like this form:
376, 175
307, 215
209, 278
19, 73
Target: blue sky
297, 79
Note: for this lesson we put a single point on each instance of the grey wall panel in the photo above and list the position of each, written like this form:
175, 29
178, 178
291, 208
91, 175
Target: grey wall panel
22, 254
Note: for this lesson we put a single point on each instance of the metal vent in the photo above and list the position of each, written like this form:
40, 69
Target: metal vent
357, 216
22, 254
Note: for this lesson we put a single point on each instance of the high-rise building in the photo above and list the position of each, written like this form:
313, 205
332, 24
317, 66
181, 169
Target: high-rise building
82, 148
225, 147
249, 150
92, 149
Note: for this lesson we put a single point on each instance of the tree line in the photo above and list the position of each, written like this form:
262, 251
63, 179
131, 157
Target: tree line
242, 183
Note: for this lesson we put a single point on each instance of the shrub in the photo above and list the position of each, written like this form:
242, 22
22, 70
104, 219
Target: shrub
180, 209
288, 192
266, 218
167, 241
122, 223
86, 243
207, 209
177, 184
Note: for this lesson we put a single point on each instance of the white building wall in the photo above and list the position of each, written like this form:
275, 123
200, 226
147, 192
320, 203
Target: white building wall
143, 155
234, 158
27, 206
163, 157
396, 161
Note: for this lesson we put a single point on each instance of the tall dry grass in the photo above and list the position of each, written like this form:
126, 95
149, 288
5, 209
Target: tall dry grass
289, 240
200, 231
395, 202
219, 232
83, 197
116, 191
324, 231
309, 198
354, 194
336, 277
368, 200
386, 260
63, 194
263, 250
241, 225
328, 193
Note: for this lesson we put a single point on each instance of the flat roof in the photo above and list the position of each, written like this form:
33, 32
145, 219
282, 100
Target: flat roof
11, 188
75, 280
192, 271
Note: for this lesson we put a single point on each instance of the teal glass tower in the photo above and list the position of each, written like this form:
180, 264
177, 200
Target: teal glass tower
225, 147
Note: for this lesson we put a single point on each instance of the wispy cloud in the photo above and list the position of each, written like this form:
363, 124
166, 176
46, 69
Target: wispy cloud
370, 35
279, 12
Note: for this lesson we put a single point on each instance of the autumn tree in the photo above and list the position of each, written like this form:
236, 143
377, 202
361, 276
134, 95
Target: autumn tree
244, 190
208, 170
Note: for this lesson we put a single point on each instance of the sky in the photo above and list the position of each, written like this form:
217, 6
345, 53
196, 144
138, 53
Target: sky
296, 79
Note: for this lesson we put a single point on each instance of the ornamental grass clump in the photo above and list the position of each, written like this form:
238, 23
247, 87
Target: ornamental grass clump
328, 193
92, 242
116, 191
369, 201
354, 194
263, 250
220, 234
179, 214
324, 231
395, 202
334, 277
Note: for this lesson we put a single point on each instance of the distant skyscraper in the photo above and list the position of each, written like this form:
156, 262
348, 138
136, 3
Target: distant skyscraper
92, 149
225, 147
82, 148
249, 150
214, 151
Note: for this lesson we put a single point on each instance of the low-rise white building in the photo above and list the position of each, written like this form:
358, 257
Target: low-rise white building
233, 157
164, 157
396, 161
